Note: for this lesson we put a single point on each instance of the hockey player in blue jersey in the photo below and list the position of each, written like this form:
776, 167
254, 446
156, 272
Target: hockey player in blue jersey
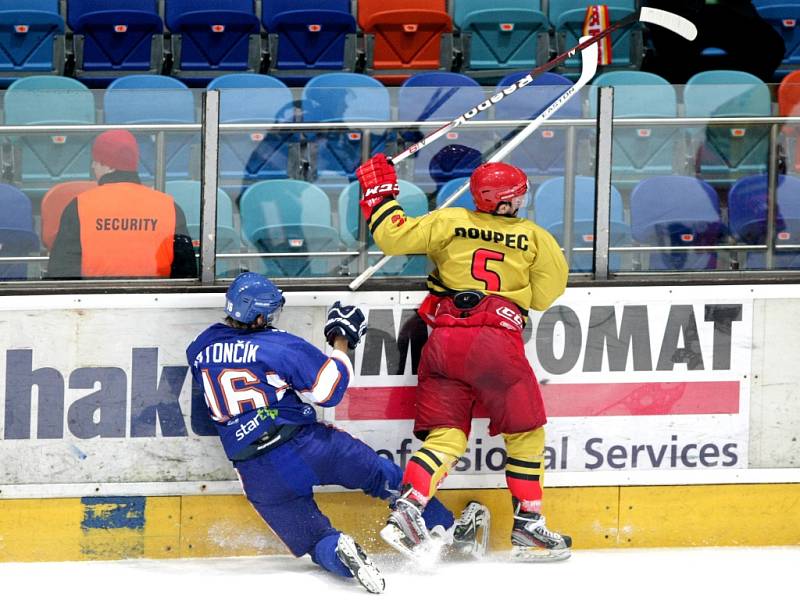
259, 384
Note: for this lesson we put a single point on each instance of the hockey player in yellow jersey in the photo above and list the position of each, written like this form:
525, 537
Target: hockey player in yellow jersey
491, 268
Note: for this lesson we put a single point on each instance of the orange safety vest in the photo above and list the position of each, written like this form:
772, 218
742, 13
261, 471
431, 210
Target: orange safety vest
127, 230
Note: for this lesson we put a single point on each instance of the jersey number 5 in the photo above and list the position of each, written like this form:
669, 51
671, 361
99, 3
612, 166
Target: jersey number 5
480, 270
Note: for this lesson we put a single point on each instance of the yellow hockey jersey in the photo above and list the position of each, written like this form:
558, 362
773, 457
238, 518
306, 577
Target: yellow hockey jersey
512, 257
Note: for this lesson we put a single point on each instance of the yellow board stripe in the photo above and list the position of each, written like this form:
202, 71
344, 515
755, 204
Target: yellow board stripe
203, 526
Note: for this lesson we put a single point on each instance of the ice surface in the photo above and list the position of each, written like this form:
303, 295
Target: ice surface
677, 574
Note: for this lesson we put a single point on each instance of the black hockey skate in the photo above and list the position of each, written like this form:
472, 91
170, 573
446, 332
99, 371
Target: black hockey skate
362, 568
471, 531
406, 532
532, 541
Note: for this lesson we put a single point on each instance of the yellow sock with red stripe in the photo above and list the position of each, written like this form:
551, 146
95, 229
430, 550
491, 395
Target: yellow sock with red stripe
525, 468
429, 465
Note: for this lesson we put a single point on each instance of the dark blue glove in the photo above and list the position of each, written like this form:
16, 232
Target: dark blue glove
346, 321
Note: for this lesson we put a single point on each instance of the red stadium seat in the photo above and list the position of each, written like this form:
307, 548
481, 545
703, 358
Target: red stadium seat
406, 36
789, 106
53, 204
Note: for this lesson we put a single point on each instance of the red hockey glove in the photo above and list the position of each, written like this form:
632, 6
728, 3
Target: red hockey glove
378, 181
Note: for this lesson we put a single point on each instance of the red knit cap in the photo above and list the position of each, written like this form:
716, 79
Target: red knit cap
117, 149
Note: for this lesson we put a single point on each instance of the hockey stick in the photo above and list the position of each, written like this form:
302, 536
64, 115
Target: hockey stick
588, 70
655, 16
668, 20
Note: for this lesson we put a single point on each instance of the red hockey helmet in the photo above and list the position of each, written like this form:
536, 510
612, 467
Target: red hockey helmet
494, 183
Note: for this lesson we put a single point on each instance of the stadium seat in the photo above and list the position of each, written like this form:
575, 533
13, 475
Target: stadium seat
17, 237
438, 96
53, 157
115, 37
544, 152
251, 156
724, 153
213, 37
789, 106
548, 212
747, 214
187, 195
31, 39
784, 17
285, 215
405, 36
508, 34
415, 204
677, 211
309, 37
450, 188
54, 202
155, 99
342, 97
641, 151
567, 17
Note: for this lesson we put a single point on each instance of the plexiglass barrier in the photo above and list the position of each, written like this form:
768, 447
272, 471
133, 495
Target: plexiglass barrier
703, 178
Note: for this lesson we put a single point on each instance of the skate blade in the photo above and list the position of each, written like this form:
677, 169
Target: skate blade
483, 538
425, 553
477, 548
362, 568
534, 554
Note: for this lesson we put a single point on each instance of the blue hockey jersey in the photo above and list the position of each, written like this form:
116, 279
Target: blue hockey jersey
256, 381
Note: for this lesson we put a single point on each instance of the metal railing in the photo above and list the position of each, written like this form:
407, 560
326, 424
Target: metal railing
210, 131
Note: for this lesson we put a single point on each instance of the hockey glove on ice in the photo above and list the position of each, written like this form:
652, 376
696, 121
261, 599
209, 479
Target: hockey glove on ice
378, 181
345, 321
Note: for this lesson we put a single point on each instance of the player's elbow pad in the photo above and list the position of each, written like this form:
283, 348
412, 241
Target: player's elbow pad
339, 386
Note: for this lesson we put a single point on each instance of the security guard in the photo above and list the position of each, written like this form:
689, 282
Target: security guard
121, 228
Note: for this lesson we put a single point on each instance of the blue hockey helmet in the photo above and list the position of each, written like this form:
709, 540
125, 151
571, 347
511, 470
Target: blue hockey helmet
250, 295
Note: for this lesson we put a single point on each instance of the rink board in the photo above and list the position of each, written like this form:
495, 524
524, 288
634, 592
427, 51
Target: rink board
649, 390
59, 529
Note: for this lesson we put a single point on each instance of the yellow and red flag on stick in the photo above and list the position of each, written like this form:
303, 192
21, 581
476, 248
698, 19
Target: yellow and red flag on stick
596, 21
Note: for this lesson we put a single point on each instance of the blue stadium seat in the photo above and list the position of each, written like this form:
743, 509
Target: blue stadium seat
450, 188
436, 96
50, 158
641, 151
415, 204
342, 97
115, 37
17, 236
747, 214
31, 39
255, 155
724, 153
285, 215
509, 34
567, 17
150, 99
187, 195
212, 37
542, 153
679, 211
309, 37
784, 16
548, 212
